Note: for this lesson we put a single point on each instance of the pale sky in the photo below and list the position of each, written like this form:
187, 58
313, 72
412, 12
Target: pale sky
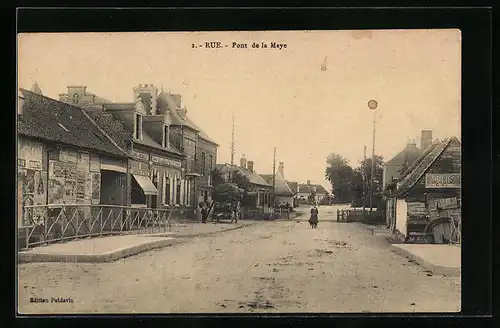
280, 98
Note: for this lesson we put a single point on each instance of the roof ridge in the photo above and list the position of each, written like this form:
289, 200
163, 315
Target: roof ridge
102, 131
414, 175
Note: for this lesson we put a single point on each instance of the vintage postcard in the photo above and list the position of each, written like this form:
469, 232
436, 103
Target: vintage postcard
239, 172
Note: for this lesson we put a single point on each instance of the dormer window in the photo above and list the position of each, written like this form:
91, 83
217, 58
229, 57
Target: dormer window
138, 127
165, 136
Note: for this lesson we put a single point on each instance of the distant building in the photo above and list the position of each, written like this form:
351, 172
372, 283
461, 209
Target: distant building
260, 188
305, 191
282, 191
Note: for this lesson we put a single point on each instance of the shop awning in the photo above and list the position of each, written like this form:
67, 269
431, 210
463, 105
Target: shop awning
146, 184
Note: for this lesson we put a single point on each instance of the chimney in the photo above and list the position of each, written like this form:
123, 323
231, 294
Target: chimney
308, 182
20, 102
177, 99
243, 162
411, 143
425, 139
250, 166
281, 169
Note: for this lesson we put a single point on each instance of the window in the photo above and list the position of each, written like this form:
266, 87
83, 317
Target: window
138, 126
178, 192
203, 164
210, 164
165, 136
166, 190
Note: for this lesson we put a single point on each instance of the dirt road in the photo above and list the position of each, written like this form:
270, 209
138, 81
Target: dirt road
270, 267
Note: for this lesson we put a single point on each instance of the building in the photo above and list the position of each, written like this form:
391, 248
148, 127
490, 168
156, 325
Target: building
282, 192
171, 156
305, 191
155, 169
64, 157
428, 190
259, 188
294, 187
393, 168
200, 150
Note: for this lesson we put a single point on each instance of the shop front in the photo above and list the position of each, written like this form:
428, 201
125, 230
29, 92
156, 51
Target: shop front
143, 191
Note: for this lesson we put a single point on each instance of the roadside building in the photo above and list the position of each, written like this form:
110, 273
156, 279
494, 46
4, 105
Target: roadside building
260, 190
426, 199
282, 192
64, 157
394, 167
167, 150
199, 149
294, 187
311, 192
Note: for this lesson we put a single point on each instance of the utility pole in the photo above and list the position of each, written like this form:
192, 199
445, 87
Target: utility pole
373, 165
232, 152
363, 172
274, 175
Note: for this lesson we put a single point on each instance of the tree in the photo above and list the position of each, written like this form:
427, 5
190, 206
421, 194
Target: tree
366, 168
340, 175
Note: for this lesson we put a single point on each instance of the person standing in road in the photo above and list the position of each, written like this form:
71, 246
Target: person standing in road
313, 220
204, 213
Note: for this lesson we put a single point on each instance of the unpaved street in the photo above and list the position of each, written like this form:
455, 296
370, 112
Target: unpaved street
279, 266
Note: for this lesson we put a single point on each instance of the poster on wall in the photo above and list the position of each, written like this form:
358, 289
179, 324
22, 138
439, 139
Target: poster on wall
95, 163
83, 161
70, 171
56, 169
39, 197
69, 191
96, 188
56, 190
68, 156
88, 187
80, 186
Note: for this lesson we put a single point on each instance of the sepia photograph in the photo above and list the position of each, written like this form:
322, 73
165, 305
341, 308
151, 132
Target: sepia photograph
221, 172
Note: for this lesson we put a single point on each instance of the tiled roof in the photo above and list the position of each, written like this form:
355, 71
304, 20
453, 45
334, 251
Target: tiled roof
113, 127
51, 120
407, 155
147, 140
281, 188
166, 102
253, 177
410, 177
293, 186
309, 188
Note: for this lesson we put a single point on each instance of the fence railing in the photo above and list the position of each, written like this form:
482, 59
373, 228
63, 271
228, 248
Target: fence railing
353, 215
45, 224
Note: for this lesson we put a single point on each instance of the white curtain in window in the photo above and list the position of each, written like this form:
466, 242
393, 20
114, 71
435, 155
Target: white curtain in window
182, 192
172, 193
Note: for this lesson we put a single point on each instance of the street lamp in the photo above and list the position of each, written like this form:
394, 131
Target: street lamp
372, 104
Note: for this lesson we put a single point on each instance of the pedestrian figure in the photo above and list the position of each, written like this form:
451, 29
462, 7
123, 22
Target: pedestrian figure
204, 213
313, 220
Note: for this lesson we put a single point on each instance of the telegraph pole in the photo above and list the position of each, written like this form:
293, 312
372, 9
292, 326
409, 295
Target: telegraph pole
274, 174
372, 104
363, 172
232, 152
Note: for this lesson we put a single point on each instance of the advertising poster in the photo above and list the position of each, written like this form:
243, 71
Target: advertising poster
69, 191
56, 169
83, 161
56, 190
88, 187
95, 163
96, 188
80, 186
